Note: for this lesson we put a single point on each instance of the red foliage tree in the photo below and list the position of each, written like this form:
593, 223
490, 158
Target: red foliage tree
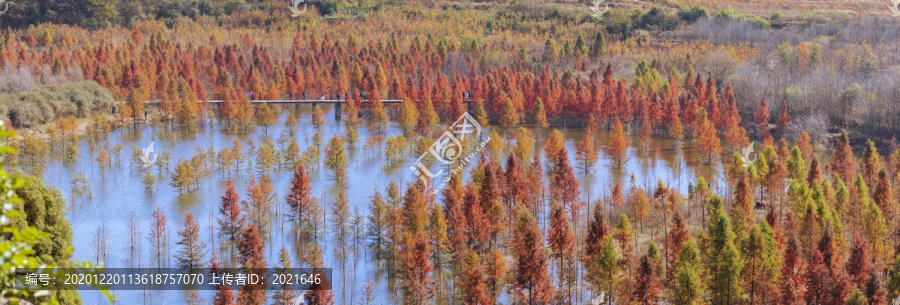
564, 186
253, 258
474, 286
531, 283
224, 295
416, 271
859, 265
792, 280
232, 221
299, 199
561, 239
648, 289
762, 119
784, 119
844, 163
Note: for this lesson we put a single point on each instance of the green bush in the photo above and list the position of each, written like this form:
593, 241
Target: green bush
762, 23
730, 13
41, 105
692, 13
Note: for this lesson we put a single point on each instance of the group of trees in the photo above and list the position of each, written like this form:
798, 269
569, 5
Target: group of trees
520, 228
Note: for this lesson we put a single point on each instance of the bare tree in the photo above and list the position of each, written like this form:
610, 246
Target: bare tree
101, 244
134, 242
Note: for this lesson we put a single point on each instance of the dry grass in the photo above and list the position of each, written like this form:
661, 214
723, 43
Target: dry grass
756, 8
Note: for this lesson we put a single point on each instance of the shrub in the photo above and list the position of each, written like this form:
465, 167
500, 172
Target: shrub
692, 13
762, 23
777, 19
731, 14
41, 105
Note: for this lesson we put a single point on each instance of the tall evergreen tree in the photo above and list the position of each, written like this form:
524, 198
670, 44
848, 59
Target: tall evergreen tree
532, 282
725, 261
193, 250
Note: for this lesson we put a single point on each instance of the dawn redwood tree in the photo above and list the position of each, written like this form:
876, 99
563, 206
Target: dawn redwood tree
675, 239
875, 290
874, 226
605, 273
535, 184
253, 259
562, 242
474, 286
792, 281
688, 286
539, 114
883, 196
336, 158
193, 249
532, 282
564, 186
377, 111
804, 143
232, 221
616, 197
437, 234
259, 207
618, 147
509, 118
743, 215
585, 154
859, 264
815, 172
416, 269
784, 120
285, 295
340, 222
319, 296
496, 272
762, 264
597, 230
299, 199
640, 204
159, 238
725, 261
224, 295
514, 186
265, 116
377, 225
706, 136
409, 116
554, 148
648, 289
478, 224
318, 118
857, 297
762, 119
817, 277
351, 108
624, 237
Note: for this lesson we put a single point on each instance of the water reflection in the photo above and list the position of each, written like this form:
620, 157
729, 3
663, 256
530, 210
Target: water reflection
119, 193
